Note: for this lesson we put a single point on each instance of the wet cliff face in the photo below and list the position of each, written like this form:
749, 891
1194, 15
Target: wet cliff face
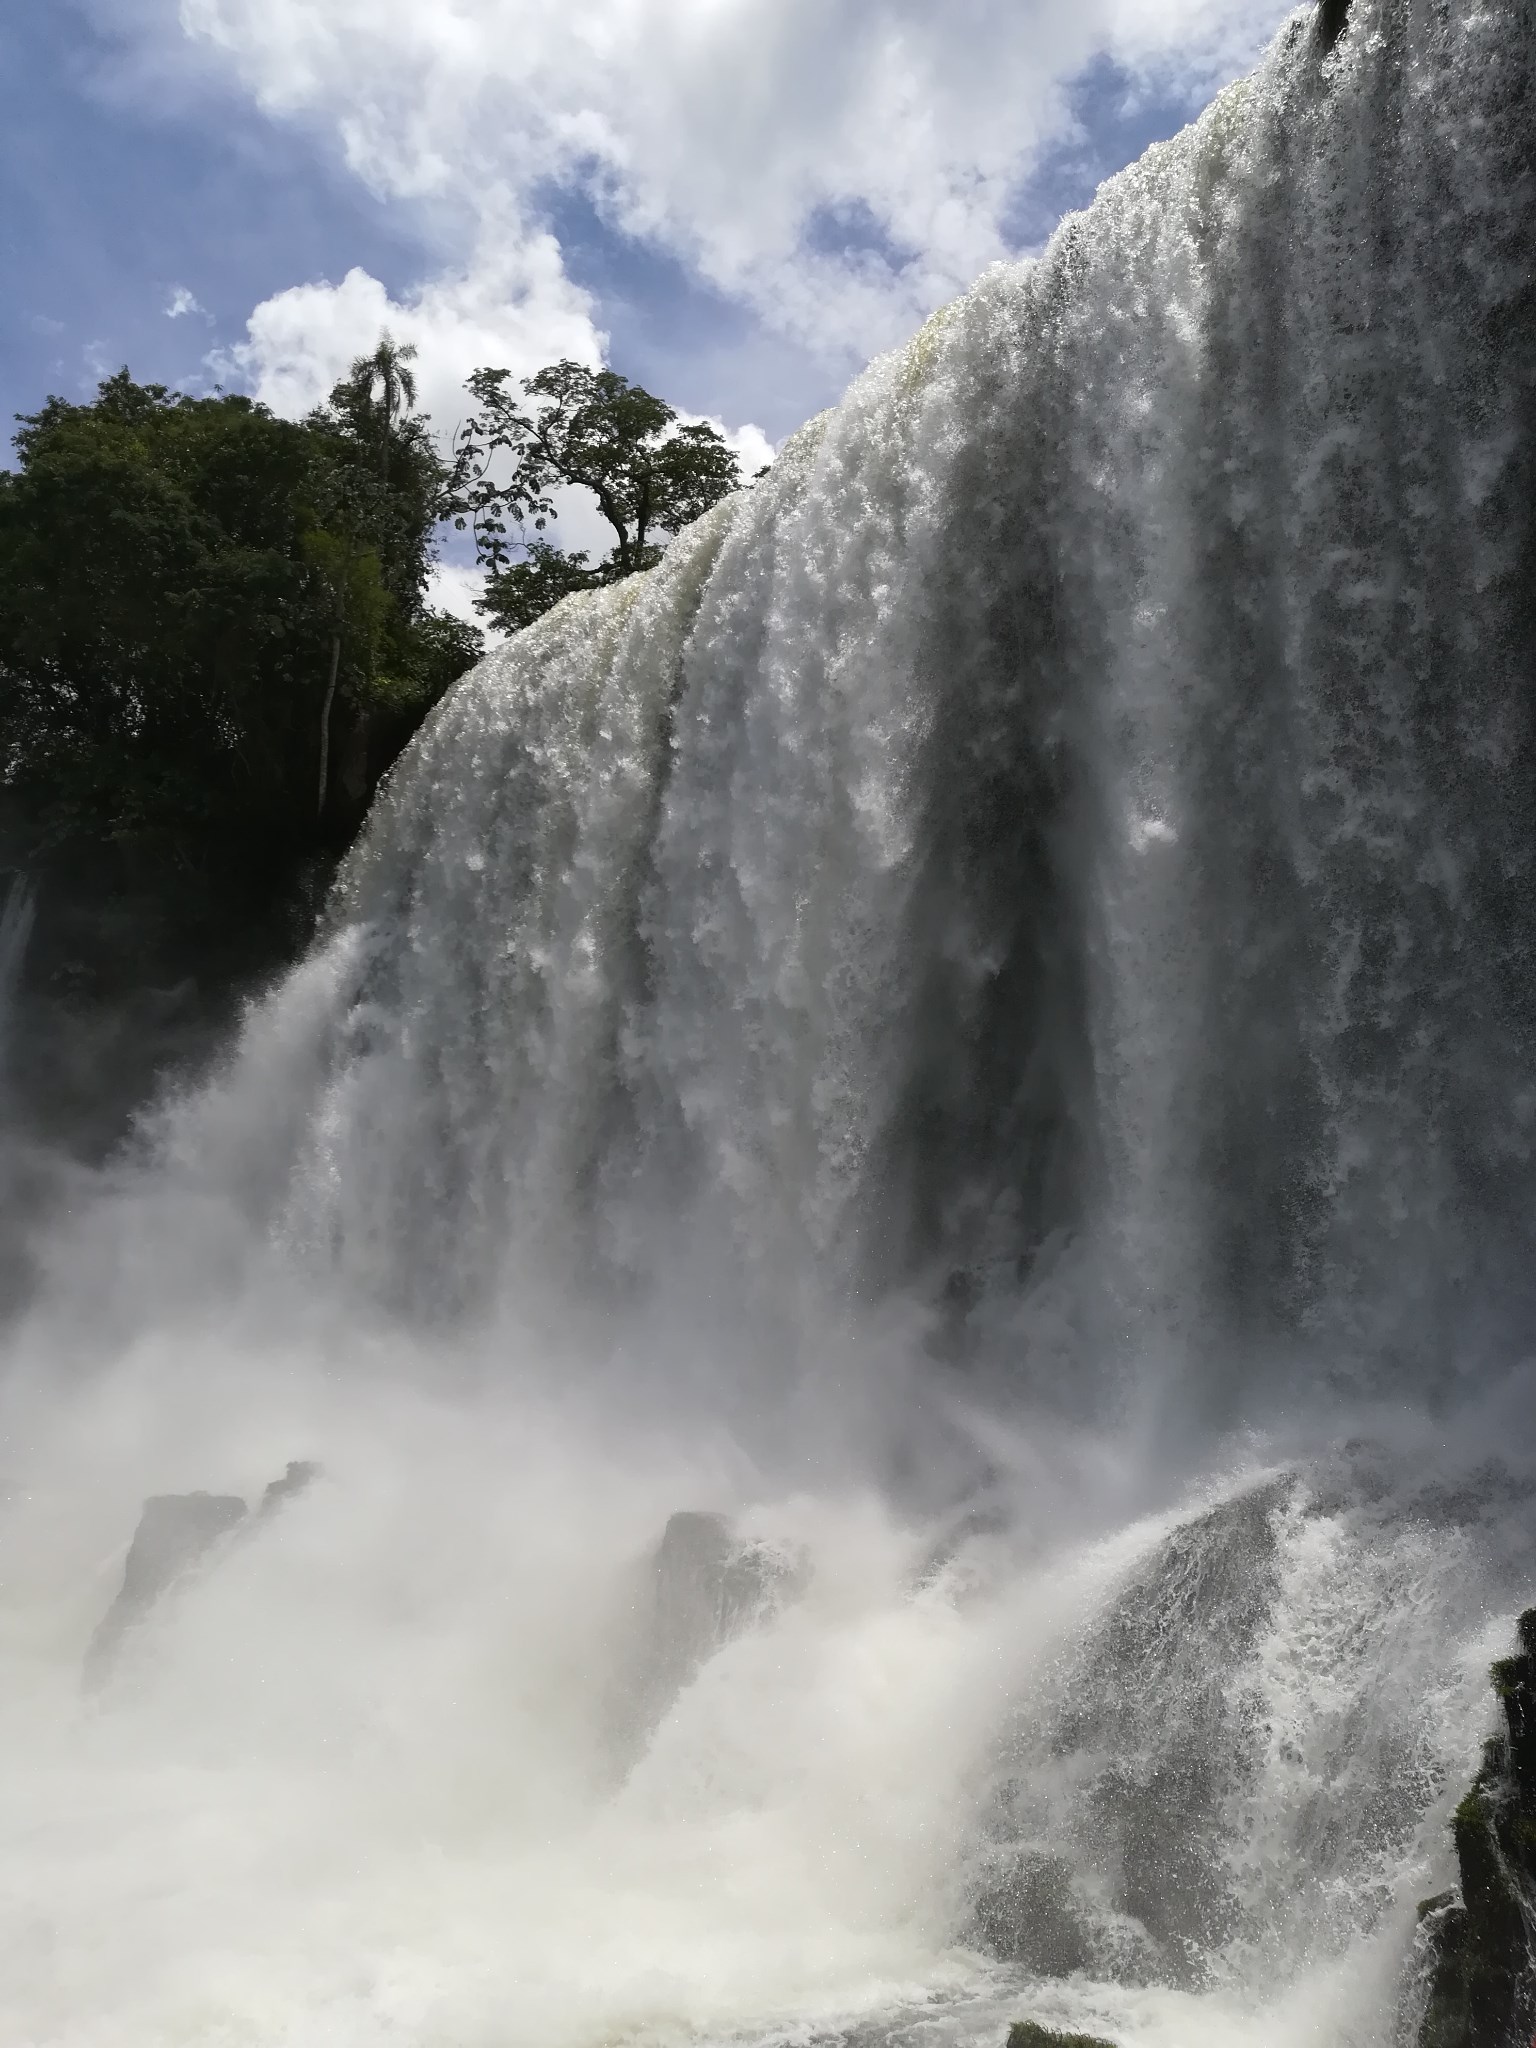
1332, 19
120, 970
1236, 1760
1476, 1961
123, 978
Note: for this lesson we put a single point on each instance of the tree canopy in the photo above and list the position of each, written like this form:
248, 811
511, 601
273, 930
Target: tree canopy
213, 633
649, 472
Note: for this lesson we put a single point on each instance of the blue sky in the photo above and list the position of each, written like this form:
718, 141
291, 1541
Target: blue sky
109, 200
734, 201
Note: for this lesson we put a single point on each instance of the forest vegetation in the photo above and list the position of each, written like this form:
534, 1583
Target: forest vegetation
215, 633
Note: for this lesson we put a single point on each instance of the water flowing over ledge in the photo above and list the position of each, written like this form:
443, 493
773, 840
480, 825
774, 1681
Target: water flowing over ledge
1073, 824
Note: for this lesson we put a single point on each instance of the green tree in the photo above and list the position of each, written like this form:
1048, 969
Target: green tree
649, 474
390, 482
376, 509
358, 604
193, 593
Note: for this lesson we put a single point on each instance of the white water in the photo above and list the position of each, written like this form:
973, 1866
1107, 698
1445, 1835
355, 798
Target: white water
1001, 965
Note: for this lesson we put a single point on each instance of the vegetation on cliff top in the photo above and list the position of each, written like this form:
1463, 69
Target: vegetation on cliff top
214, 629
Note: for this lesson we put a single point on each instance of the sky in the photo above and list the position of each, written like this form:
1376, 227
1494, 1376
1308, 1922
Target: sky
735, 202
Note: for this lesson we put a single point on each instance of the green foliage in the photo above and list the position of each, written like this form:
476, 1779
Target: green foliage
213, 630
523, 591
1029, 2034
591, 429
194, 594
426, 662
385, 481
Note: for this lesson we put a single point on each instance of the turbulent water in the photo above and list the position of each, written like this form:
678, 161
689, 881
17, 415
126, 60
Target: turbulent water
979, 1022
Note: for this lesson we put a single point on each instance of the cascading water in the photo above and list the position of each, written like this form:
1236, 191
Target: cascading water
1003, 962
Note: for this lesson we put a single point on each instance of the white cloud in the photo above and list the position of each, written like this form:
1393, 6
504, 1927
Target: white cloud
453, 587
837, 169
752, 447
509, 305
181, 303
727, 131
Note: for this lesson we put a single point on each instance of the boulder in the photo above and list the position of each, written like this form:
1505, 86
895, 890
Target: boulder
1024, 1911
1476, 1956
1029, 2034
708, 1586
1128, 1780
297, 1478
176, 1532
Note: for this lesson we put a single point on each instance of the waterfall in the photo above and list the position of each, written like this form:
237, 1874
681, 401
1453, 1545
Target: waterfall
958, 1035
1078, 811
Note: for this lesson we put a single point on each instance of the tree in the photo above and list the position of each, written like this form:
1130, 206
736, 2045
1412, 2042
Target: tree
192, 593
384, 494
391, 482
156, 623
592, 429
379, 391
349, 574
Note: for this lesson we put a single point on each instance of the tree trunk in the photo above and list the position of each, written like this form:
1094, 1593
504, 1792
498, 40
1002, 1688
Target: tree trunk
325, 722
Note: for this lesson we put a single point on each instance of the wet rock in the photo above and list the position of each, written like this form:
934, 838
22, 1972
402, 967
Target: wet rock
1028, 2034
297, 1478
708, 1586
1129, 1781
176, 1532
1475, 1951
1025, 1912
1158, 1701
1332, 17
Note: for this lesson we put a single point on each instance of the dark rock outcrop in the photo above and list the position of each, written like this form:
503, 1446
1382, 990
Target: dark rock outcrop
1028, 2034
1147, 1749
1026, 1913
176, 1532
1332, 16
297, 1477
708, 1587
1477, 1951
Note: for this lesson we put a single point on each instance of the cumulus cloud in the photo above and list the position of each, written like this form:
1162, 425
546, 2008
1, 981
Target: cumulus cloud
837, 170
181, 303
510, 304
736, 134
751, 446
453, 587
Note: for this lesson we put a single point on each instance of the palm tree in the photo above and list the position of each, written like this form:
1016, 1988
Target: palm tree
379, 390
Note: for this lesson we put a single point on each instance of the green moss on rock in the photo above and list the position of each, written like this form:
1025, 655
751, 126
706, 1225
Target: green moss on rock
1029, 2034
